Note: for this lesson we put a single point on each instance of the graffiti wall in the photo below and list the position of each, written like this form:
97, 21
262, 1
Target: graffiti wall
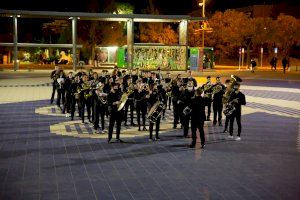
165, 57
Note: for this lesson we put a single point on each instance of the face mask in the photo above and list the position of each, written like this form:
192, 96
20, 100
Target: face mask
190, 88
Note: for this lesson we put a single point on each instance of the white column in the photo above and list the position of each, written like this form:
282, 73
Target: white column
130, 43
74, 42
15, 32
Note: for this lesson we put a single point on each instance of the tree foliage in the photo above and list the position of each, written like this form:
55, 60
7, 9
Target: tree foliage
233, 29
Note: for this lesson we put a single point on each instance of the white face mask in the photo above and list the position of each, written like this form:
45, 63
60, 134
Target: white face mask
190, 88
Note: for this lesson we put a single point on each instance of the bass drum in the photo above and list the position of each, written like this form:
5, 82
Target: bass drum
156, 111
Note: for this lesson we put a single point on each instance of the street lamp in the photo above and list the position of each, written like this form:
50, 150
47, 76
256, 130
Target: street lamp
203, 15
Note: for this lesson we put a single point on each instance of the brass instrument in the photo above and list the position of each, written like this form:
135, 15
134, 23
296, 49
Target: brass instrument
229, 105
102, 97
125, 96
84, 87
217, 88
206, 89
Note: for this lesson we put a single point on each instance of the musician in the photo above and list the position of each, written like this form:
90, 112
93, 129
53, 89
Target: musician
227, 82
177, 105
60, 88
85, 98
185, 98
99, 107
134, 75
75, 85
141, 94
190, 78
168, 82
218, 92
53, 76
113, 100
238, 99
163, 95
207, 89
153, 99
129, 89
67, 86
197, 118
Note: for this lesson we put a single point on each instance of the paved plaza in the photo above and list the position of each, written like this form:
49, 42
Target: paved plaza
44, 155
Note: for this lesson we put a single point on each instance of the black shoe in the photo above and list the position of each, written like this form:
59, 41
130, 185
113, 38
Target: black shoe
133, 124
157, 138
214, 123
220, 124
139, 128
192, 145
120, 141
144, 129
225, 131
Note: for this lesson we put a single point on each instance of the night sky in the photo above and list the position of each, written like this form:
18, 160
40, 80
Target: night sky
164, 6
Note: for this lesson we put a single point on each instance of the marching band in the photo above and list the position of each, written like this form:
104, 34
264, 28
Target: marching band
114, 97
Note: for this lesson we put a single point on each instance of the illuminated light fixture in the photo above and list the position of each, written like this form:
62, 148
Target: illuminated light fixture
200, 4
70, 17
78, 17
11, 16
18, 15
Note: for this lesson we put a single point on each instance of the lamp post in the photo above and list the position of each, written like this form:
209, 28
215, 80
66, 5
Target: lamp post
203, 15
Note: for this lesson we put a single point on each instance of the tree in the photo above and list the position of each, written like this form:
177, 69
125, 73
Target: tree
286, 32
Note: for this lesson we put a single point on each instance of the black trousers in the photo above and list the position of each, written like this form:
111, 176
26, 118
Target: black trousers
53, 92
129, 103
198, 125
207, 102
85, 103
176, 114
237, 116
60, 96
218, 108
115, 117
141, 111
67, 105
98, 111
226, 122
186, 124
169, 101
73, 104
157, 125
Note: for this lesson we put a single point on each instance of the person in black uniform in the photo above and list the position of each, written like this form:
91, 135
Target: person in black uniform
177, 104
75, 85
238, 99
218, 92
154, 98
168, 82
207, 89
129, 88
85, 98
61, 78
197, 118
99, 107
113, 100
227, 82
67, 86
141, 95
54, 76
186, 97
163, 95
